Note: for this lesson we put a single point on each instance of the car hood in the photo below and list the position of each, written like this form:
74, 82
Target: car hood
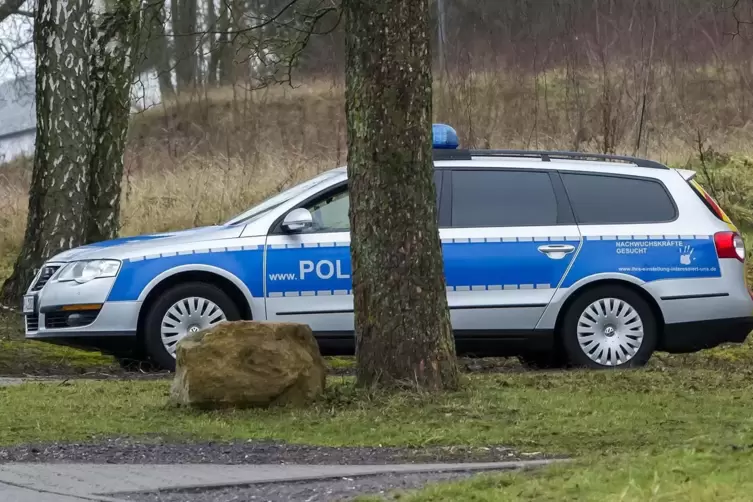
128, 247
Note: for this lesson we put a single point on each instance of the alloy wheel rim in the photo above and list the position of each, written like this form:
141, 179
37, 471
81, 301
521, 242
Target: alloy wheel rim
610, 331
187, 316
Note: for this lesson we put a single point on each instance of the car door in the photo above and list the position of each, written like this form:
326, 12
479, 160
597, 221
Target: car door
510, 243
308, 274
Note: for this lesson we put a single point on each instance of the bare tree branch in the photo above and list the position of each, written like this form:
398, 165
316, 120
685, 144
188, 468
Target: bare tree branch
9, 7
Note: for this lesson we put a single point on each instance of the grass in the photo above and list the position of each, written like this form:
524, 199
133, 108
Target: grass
679, 474
575, 413
678, 430
19, 357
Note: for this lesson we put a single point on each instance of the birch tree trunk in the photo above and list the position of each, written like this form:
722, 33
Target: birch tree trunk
402, 321
113, 71
57, 197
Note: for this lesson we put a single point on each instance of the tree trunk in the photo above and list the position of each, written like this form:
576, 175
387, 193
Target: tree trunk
241, 68
113, 76
211, 28
402, 322
186, 44
224, 55
158, 50
57, 197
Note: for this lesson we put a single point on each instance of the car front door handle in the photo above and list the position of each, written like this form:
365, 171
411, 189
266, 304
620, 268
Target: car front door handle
557, 251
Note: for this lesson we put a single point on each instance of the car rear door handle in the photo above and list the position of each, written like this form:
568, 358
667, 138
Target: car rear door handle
557, 251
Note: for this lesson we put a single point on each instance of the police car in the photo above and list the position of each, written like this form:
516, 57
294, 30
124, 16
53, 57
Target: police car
558, 257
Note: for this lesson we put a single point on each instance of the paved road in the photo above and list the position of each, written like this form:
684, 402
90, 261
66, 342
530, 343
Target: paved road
98, 482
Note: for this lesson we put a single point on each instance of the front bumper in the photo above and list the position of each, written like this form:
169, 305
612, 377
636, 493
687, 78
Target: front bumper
699, 335
114, 319
110, 321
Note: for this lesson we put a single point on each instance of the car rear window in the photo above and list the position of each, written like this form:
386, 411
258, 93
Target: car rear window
603, 199
502, 199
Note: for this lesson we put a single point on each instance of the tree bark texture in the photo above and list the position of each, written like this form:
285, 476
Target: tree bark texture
57, 197
113, 72
403, 328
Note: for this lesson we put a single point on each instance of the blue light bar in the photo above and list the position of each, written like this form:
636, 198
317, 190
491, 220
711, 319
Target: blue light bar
444, 137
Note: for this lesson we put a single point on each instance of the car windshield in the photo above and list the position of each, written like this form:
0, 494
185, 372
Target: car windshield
281, 198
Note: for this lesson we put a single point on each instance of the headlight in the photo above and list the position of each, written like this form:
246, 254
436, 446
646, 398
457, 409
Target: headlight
85, 271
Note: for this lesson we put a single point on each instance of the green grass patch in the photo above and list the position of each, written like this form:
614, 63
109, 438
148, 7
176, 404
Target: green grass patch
574, 413
341, 363
20, 357
678, 474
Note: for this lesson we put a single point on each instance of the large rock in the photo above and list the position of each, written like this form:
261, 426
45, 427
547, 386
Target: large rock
249, 364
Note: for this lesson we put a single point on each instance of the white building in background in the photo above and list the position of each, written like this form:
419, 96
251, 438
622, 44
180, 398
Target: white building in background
18, 118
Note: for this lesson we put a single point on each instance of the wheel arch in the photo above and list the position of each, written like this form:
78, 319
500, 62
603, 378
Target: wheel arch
228, 283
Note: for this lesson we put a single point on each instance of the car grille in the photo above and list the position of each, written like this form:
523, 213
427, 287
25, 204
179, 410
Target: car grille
54, 320
32, 323
44, 276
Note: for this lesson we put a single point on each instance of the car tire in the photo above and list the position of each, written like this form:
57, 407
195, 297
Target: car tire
609, 327
184, 309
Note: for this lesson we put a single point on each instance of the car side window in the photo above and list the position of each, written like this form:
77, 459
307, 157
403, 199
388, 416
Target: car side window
603, 199
500, 198
331, 213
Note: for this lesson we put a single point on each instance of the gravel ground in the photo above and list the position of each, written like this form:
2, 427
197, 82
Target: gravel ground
126, 451
305, 491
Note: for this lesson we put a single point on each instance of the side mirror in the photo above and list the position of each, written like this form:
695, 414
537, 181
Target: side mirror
298, 220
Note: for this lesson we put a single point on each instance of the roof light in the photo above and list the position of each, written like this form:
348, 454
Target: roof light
444, 137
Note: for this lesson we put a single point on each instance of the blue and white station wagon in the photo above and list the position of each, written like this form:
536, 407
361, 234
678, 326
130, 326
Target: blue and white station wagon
557, 257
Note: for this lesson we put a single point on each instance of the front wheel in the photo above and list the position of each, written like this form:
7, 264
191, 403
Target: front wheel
609, 327
182, 310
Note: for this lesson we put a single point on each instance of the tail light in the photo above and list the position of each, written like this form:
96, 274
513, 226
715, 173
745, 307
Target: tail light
729, 245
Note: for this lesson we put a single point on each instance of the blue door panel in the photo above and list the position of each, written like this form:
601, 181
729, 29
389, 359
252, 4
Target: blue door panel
467, 264
502, 263
646, 259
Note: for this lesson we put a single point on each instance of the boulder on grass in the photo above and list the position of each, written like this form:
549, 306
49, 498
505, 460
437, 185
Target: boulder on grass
249, 364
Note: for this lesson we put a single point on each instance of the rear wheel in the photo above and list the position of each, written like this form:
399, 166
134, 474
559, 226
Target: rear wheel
609, 327
182, 310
